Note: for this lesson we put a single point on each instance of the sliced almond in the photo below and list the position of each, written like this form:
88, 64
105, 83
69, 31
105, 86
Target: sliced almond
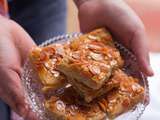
48, 65
102, 75
94, 69
105, 65
94, 47
60, 105
60, 49
109, 55
55, 73
92, 37
137, 88
113, 63
54, 60
76, 55
97, 57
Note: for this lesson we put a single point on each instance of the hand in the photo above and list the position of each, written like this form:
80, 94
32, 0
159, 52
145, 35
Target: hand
123, 23
15, 44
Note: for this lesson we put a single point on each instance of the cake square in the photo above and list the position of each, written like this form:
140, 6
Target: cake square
70, 106
90, 94
44, 60
91, 58
123, 98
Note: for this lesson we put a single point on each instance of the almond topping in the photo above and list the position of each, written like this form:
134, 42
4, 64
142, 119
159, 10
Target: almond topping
48, 65
55, 73
94, 47
95, 56
60, 49
60, 106
105, 65
94, 69
113, 62
92, 37
76, 55
102, 75
109, 55
54, 60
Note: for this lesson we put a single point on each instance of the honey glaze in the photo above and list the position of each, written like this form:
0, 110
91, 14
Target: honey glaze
69, 104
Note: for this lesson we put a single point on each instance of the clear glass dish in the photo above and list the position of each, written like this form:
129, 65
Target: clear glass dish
35, 98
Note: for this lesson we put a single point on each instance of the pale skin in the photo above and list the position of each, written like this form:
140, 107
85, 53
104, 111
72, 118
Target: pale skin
15, 45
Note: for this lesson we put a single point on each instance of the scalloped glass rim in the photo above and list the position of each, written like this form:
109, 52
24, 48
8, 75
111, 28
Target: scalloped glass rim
33, 96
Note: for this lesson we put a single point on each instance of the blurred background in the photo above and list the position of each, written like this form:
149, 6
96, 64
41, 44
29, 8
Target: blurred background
149, 12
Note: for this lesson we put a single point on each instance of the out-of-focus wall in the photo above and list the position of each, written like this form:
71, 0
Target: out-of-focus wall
148, 10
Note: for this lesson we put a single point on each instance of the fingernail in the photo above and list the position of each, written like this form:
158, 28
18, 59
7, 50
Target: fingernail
147, 71
150, 73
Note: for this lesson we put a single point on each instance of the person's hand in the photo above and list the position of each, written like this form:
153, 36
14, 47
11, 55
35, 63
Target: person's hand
15, 44
123, 23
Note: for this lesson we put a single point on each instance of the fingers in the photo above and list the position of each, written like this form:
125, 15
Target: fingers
23, 42
12, 93
88, 18
127, 27
17, 35
139, 46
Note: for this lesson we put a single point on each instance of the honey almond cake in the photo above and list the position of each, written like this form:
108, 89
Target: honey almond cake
44, 60
68, 105
89, 70
91, 58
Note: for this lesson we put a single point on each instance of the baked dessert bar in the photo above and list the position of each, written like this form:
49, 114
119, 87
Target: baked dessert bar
89, 94
69, 106
91, 64
121, 100
44, 60
91, 58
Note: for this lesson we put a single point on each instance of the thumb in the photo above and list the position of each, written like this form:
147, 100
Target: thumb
140, 48
23, 41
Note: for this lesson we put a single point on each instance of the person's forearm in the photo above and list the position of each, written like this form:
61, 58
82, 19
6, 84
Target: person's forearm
4, 8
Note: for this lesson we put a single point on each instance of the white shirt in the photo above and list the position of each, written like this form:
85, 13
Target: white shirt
152, 111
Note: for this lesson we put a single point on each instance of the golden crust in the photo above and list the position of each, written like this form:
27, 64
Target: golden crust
89, 94
69, 106
91, 58
44, 61
99, 88
124, 98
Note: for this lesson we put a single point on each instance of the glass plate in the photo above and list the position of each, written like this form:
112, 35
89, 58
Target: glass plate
35, 98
